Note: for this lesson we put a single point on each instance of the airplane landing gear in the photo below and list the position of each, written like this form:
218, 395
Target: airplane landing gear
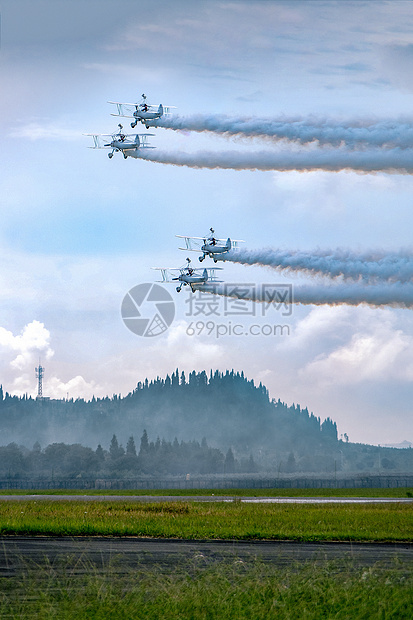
133, 125
201, 258
178, 289
110, 155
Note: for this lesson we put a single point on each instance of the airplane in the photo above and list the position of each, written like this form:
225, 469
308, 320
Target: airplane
142, 112
210, 246
120, 142
188, 276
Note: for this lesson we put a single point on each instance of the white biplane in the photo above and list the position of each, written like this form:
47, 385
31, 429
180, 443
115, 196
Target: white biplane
210, 246
121, 142
142, 112
196, 279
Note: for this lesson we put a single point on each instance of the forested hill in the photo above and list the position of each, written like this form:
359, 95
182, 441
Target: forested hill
224, 408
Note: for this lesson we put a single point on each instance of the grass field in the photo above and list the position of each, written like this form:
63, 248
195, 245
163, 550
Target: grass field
200, 520
231, 589
201, 589
393, 492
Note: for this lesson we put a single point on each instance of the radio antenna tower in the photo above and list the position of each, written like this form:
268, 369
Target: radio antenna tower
39, 376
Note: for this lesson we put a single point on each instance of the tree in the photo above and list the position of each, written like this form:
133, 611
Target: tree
115, 450
291, 465
251, 464
229, 462
100, 454
329, 429
130, 447
144, 443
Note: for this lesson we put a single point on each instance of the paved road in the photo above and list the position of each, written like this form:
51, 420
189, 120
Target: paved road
124, 554
208, 498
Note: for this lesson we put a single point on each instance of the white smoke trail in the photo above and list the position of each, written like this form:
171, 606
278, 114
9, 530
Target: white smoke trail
366, 266
390, 161
389, 133
282, 296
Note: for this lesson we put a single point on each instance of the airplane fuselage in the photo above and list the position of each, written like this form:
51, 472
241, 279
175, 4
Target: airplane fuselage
213, 250
123, 145
208, 248
146, 116
192, 279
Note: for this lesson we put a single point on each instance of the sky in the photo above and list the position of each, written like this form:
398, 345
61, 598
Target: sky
79, 230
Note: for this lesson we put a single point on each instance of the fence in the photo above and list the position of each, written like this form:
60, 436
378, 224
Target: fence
356, 481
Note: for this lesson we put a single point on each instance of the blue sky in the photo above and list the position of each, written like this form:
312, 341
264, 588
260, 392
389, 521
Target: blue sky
79, 230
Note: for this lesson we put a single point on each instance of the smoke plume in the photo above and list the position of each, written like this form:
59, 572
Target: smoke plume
396, 294
365, 266
354, 134
334, 160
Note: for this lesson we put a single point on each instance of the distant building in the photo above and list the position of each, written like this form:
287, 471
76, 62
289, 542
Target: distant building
403, 444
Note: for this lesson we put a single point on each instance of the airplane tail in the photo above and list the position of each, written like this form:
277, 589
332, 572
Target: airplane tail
137, 140
160, 109
205, 275
228, 244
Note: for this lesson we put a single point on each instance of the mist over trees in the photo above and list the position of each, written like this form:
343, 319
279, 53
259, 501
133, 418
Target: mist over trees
160, 457
240, 428
226, 408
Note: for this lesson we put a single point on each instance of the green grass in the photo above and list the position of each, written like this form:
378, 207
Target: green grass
232, 590
204, 588
200, 520
339, 492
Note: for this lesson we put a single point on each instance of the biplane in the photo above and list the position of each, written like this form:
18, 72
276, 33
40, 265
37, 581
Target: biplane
210, 246
189, 276
121, 142
142, 112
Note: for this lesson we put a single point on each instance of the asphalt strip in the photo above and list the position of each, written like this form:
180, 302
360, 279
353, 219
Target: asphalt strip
207, 498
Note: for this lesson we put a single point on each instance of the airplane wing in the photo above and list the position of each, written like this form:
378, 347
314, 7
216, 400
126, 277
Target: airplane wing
127, 109
193, 244
98, 139
143, 137
212, 277
123, 109
167, 273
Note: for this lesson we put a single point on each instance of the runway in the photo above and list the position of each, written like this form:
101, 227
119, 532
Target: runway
125, 554
207, 498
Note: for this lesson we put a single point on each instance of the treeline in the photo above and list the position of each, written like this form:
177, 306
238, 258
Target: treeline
60, 460
225, 407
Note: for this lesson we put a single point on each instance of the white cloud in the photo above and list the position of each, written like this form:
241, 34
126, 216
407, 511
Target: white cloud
48, 130
32, 342
77, 387
372, 348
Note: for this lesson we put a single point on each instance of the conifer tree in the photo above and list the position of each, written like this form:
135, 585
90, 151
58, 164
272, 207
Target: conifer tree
229, 462
115, 449
130, 447
100, 454
144, 448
